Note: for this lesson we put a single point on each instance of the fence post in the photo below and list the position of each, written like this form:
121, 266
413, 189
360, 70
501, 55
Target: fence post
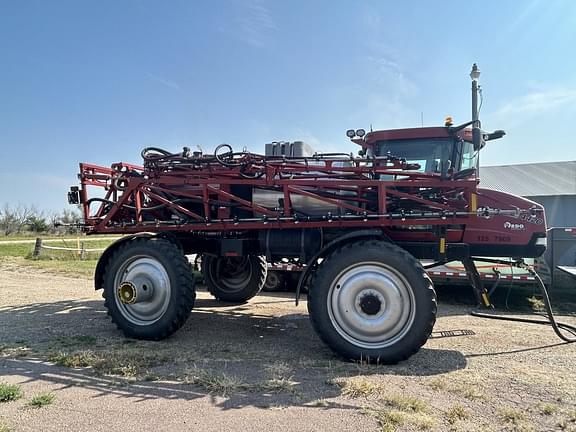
82, 250
37, 247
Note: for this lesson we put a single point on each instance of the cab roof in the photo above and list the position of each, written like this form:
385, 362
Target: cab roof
411, 133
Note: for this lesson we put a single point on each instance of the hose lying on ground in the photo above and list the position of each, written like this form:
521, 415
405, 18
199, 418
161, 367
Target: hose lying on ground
558, 327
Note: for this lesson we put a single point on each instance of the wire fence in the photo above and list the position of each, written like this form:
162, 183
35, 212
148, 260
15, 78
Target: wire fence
80, 251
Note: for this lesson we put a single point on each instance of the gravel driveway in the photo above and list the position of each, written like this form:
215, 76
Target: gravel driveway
259, 366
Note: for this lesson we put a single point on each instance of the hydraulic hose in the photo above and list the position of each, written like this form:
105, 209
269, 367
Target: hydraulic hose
558, 327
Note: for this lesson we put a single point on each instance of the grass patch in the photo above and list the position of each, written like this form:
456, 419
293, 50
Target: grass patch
357, 387
5, 427
9, 392
75, 341
457, 412
14, 350
215, 382
277, 385
391, 419
547, 408
125, 364
74, 360
399, 410
511, 415
16, 250
278, 369
536, 304
66, 262
405, 403
437, 384
469, 391
42, 400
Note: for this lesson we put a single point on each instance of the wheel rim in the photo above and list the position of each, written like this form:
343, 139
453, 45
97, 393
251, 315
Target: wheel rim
272, 281
371, 305
148, 274
232, 274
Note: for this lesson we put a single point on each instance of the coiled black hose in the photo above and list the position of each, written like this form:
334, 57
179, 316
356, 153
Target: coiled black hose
558, 327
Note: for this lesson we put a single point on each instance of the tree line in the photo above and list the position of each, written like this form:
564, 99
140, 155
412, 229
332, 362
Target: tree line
22, 219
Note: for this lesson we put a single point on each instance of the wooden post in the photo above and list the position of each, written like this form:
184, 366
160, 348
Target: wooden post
82, 250
37, 247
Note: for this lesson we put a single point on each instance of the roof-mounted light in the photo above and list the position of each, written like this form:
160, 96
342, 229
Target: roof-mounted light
448, 121
360, 132
350, 133
475, 73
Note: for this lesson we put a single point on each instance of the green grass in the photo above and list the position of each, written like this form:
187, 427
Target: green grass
67, 262
9, 392
15, 250
42, 400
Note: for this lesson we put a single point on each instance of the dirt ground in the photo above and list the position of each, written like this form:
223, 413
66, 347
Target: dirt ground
260, 366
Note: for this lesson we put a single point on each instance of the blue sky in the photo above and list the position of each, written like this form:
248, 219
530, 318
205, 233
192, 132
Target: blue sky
97, 81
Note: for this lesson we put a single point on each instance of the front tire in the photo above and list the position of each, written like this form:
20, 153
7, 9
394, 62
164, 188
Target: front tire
160, 273
372, 301
234, 279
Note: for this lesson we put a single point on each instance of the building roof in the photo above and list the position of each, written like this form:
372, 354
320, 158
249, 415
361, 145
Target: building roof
531, 180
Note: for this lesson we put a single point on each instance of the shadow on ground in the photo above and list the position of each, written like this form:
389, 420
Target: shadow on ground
268, 349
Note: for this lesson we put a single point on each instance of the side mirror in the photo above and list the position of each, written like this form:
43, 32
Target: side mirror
494, 135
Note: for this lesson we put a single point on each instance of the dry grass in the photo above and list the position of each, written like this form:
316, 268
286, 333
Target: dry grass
276, 385
457, 412
126, 364
357, 387
405, 403
537, 304
437, 384
467, 390
14, 350
278, 369
511, 415
4, 427
547, 408
391, 419
215, 382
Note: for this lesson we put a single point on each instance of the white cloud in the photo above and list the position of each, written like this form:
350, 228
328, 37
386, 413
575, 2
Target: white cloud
389, 75
538, 102
256, 24
165, 82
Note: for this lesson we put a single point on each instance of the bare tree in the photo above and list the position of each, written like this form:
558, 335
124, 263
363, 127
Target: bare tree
8, 220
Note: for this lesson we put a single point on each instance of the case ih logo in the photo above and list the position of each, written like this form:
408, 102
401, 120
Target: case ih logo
514, 226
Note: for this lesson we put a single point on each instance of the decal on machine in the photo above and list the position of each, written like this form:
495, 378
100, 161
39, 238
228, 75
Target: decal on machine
514, 226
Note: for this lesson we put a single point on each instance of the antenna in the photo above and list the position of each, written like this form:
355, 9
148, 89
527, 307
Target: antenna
421, 118
371, 128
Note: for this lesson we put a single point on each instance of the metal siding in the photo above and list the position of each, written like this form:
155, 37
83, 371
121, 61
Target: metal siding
560, 210
537, 179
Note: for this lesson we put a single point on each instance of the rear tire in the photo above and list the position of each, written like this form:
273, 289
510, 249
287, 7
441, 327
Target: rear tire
234, 279
163, 274
274, 282
372, 301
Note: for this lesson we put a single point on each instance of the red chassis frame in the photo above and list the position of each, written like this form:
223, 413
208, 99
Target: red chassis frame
408, 198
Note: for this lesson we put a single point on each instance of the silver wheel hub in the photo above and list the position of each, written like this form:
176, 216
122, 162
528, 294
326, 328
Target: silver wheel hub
371, 305
149, 281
